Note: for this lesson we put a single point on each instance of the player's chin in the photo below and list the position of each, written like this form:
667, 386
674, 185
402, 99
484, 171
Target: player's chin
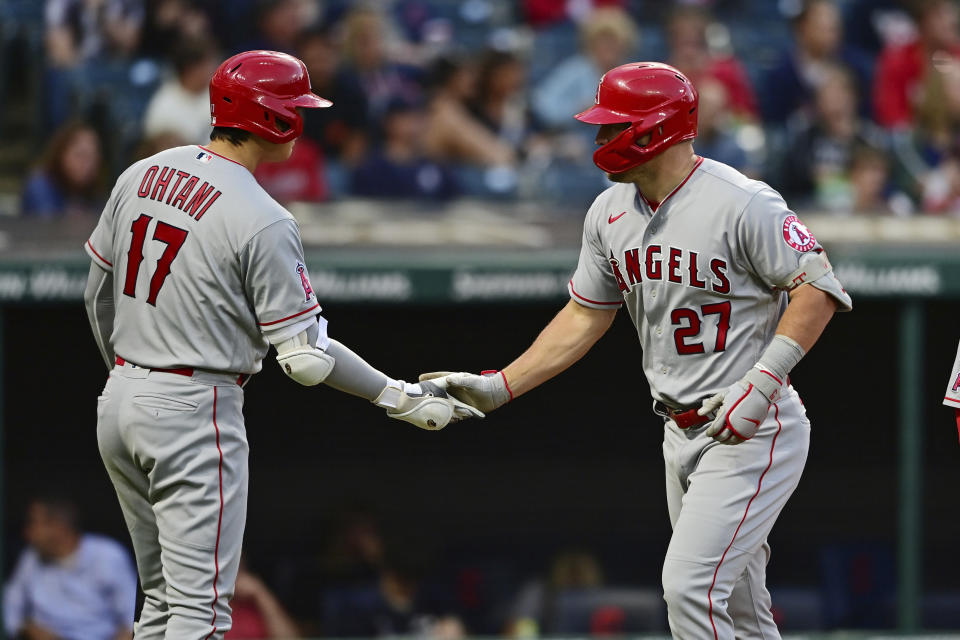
623, 176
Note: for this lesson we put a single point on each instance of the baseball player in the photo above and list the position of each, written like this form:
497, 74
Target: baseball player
728, 290
195, 272
952, 397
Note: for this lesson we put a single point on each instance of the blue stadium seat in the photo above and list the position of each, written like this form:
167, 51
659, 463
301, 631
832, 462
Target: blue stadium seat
624, 610
798, 608
859, 585
941, 610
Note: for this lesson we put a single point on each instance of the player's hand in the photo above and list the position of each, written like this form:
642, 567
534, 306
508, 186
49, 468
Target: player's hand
742, 408
425, 405
486, 392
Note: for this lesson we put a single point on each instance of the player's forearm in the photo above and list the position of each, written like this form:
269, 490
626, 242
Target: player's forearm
807, 315
564, 341
354, 375
98, 300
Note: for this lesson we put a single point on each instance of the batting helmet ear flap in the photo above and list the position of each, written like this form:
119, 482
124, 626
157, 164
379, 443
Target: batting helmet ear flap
656, 99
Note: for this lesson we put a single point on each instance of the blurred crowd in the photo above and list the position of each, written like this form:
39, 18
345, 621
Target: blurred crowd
845, 106
360, 575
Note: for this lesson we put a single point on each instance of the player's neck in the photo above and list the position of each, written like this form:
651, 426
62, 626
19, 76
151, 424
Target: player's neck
248, 154
656, 179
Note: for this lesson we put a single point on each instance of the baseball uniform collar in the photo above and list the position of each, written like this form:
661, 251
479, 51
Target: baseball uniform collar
214, 153
655, 205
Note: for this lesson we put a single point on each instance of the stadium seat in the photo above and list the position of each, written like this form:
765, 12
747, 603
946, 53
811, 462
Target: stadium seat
798, 608
605, 611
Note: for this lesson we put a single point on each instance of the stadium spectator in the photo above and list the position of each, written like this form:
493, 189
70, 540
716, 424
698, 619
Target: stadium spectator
182, 103
690, 53
342, 129
902, 68
81, 33
168, 23
818, 46
500, 101
820, 148
534, 606
393, 604
298, 179
256, 612
155, 144
365, 47
452, 133
280, 23
928, 156
716, 132
869, 181
70, 177
543, 13
356, 550
400, 169
607, 37
871, 24
78, 31
68, 584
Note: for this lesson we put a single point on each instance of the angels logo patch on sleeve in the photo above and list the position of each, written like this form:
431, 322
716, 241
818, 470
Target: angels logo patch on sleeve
796, 234
304, 281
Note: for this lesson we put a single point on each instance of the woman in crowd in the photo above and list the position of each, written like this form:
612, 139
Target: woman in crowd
69, 178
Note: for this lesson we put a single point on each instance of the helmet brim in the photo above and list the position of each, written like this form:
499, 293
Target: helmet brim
601, 115
310, 101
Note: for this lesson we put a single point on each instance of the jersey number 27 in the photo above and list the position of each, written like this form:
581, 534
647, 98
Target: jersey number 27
692, 327
172, 236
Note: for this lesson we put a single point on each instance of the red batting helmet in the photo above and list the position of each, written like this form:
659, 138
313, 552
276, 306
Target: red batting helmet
259, 92
654, 98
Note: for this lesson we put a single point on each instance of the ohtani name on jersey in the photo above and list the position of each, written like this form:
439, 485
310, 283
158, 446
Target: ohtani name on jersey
672, 264
158, 183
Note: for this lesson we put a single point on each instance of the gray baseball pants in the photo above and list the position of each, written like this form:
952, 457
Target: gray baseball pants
723, 501
176, 450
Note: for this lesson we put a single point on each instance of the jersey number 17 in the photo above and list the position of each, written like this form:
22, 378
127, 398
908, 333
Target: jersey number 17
172, 236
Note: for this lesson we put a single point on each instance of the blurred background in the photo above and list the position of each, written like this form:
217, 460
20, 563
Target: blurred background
441, 201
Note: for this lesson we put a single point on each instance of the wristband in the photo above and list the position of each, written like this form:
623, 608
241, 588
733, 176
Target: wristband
781, 356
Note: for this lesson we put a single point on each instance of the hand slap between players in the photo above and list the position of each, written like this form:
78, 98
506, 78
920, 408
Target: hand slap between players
425, 405
742, 407
486, 392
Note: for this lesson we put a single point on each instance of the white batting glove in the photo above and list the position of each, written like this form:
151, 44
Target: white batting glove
425, 405
742, 408
486, 391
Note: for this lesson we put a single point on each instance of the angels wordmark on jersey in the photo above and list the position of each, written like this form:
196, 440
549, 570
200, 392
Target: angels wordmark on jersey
709, 267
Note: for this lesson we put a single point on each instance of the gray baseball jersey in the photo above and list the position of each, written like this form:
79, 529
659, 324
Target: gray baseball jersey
704, 275
204, 262
206, 267
952, 397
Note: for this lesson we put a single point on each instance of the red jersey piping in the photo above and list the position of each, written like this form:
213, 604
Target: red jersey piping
656, 205
216, 548
267, 324
574, 292
105, 261
746, 511
218, 155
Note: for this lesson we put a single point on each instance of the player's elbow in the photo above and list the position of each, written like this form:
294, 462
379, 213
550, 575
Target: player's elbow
306, 365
